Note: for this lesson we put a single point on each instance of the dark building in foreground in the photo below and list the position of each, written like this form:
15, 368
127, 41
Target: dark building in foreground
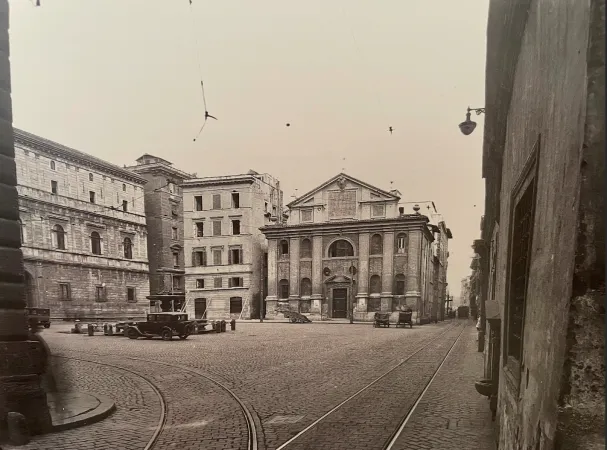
542, 255
164, 215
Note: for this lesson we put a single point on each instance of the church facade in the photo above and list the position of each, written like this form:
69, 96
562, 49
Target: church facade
347, 248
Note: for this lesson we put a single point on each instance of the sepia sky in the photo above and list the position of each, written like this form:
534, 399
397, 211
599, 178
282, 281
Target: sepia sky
119, 78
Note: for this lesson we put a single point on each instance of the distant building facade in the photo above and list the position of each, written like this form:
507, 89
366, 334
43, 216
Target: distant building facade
346, 245
83, 232
164, 216
224, 248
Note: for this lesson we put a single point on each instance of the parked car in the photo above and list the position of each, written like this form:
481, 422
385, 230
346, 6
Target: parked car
38, 316
165, 325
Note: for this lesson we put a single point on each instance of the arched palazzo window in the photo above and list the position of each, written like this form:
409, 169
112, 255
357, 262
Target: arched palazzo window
59, 237
377, 245
284, 248
306, 249
375, 284
341, 249
128, 248
283, 289
399, 284
305, 287
95, 243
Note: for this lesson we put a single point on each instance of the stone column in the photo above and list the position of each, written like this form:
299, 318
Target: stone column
362, 277
387, 272
414, 265
294, 273
316, 274
22, 359
272, 298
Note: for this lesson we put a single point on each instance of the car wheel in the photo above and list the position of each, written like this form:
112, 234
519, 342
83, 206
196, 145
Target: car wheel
132, 333
47, 325
167, 335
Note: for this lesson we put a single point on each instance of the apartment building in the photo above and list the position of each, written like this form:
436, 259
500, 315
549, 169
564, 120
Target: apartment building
226, 253
164, 216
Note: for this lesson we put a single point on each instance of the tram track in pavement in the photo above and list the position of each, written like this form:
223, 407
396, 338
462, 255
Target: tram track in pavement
251, 444
331, 438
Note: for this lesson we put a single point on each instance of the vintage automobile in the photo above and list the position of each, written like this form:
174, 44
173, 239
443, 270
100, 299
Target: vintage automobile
163, 324
38, 316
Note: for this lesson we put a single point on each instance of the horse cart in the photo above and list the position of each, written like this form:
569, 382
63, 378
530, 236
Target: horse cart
405, 318
381, 320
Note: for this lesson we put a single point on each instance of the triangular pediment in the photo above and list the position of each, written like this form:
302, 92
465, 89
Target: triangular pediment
343, 182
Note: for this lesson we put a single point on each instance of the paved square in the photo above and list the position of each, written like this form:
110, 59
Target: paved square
274, 379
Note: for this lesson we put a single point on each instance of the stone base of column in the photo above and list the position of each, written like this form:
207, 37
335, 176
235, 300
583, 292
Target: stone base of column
361, 304
315, 304
271, 305
21, 391
294, 303
386, 302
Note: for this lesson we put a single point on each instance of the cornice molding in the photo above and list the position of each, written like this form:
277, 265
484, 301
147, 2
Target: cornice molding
50, 148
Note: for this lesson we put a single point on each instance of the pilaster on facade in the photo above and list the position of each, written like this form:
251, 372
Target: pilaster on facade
294, 256
317, 267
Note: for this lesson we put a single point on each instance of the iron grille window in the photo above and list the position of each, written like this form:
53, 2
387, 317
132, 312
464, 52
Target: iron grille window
522, 233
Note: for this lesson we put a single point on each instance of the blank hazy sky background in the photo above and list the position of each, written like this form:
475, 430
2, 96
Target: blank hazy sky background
119, 78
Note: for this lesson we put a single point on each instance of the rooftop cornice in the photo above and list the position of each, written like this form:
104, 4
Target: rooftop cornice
219, 181
405, 223
50, 148
160, 169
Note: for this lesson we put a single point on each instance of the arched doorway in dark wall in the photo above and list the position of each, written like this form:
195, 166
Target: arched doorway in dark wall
30, 290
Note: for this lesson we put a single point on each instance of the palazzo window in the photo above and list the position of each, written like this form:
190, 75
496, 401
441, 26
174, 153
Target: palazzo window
377, 246
283, 289
128, 248
95, 243
305, 249
284, 248
305, 287
401, 243
399, 284
520, 255
341, 249
59, 237
375, 284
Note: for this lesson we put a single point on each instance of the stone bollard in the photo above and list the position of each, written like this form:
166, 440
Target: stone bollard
218, 327
91, 329
223, 326
110, 330
18, 432
233, 324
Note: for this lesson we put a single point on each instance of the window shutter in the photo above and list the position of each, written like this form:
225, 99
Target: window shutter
204, 257
194, 262
230, 256
229, 282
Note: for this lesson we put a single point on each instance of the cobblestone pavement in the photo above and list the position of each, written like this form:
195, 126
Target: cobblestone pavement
288, 375
452, 406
